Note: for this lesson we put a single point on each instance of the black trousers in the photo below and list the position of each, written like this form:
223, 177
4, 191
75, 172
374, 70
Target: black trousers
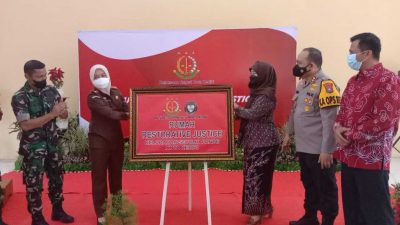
366, 197
321, 192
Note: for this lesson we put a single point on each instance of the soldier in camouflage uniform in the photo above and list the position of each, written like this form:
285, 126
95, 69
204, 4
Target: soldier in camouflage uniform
36, 107
1, 190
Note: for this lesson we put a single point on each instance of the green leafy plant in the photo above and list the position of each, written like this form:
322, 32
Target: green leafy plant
75, 142
15, 128
396, 203
18, 163
396, 194
121, 211
75, 167
286, 160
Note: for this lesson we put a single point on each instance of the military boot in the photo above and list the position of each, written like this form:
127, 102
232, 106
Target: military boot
38, 220
327, 220
58, 214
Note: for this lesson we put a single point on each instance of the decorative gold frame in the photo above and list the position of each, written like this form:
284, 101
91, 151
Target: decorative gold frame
230, 153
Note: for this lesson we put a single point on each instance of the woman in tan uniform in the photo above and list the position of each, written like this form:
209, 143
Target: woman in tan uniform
106, 143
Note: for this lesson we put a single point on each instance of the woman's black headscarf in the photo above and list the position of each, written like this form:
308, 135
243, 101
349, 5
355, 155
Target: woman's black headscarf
263, 84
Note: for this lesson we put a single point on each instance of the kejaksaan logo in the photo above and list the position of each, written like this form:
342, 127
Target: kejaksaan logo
171, 107
186, 66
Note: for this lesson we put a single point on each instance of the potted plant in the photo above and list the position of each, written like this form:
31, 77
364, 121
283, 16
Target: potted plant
121, 211
56, 77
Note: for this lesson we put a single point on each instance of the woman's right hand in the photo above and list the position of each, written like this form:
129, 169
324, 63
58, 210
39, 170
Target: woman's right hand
125, 115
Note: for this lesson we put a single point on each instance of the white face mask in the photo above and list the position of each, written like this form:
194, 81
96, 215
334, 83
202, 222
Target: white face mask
101, 83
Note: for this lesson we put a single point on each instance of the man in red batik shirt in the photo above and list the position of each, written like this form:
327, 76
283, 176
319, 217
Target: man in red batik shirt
365, 127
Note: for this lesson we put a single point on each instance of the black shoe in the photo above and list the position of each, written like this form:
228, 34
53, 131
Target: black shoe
39, 220
305, 220
326, 221
58, 214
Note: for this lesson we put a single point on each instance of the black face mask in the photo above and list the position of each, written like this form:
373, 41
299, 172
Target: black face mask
299, 71
40, 84
254, 82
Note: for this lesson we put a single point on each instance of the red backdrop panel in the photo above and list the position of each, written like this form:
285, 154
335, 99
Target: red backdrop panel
219, 57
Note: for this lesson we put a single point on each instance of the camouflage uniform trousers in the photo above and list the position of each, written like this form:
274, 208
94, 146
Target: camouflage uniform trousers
34, 166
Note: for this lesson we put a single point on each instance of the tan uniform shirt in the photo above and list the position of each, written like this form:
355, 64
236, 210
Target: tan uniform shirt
313, 115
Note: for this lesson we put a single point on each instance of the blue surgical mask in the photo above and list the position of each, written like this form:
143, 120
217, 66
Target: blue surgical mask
353, 63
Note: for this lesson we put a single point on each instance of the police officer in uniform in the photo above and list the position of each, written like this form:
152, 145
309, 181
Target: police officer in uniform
106, 142
315, 106
36, 107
